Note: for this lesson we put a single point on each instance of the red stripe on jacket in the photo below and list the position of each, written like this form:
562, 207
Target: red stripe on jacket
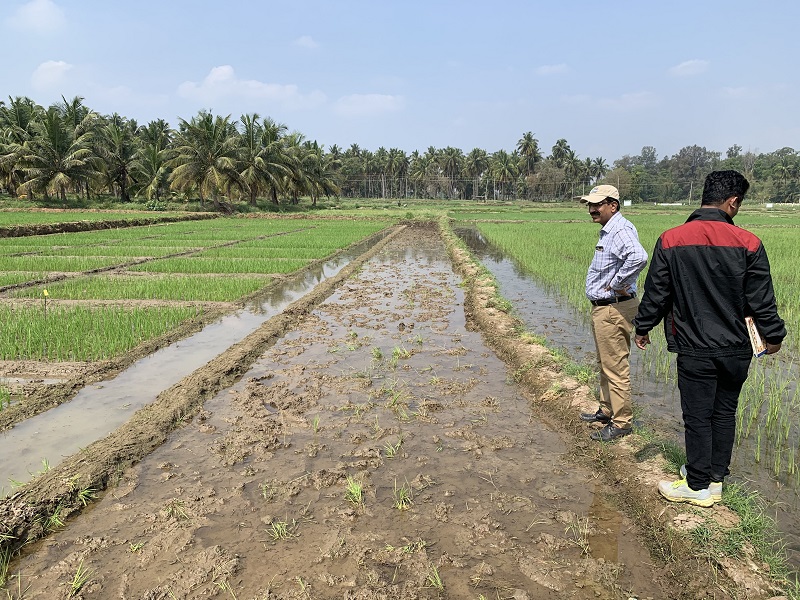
709, 233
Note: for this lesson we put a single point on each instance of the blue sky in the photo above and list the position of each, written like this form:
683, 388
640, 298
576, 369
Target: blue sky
609, 77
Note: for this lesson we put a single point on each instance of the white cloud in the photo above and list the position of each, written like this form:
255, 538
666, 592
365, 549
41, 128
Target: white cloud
38, 16
689, 68
552, 69
50, 74
305, 41
221, 83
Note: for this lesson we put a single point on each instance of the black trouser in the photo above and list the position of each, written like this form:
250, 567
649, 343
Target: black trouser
709, 396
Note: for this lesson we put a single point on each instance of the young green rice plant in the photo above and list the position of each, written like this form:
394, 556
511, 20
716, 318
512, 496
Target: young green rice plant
354, 491
268, 491
5, 562
85, 495
403, 496
390, 450
79, 579
135, 547
305, 588
579, 529
54, 521
433, 579
315, 424
176, 510
399, 352
281, 530
377, 354
5, 395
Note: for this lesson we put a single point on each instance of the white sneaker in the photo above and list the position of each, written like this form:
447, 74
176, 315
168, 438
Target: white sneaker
715, 487
679, 491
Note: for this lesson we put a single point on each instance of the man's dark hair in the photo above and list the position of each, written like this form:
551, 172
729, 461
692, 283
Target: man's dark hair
721, 185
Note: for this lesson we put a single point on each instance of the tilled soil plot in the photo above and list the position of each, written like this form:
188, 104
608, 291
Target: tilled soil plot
379, 450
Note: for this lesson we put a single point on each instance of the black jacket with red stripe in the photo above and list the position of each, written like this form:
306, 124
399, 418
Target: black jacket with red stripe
705, 276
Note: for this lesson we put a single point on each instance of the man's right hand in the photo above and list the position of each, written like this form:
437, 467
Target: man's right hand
643, 340
773, 348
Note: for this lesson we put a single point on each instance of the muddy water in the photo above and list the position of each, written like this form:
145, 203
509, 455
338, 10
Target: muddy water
98, 409
547, 314
382, 387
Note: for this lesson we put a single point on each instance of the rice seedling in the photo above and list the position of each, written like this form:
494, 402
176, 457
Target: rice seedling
390, 450
315, 424
281, 530
434, 579
79, 579
176, 510
135, 547
54, 521
85, 495
377, 354
403, 496
354, 491
579, 530
268, 491
399, 352
5, 395
5, 562
305, 588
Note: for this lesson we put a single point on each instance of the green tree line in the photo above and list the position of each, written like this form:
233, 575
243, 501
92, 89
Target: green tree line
69, 149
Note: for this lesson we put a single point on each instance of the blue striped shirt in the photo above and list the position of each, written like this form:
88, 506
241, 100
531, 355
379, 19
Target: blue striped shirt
618, 260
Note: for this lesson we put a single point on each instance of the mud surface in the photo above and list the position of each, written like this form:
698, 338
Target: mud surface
467, 487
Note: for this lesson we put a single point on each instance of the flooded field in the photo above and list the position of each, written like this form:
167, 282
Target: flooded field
657, 402
365, 441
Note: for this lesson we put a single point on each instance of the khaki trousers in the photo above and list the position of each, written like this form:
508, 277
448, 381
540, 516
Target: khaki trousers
612, 326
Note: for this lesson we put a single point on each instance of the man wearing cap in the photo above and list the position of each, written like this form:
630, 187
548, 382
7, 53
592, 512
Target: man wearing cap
611, 290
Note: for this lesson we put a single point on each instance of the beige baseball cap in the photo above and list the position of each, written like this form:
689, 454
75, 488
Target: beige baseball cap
600, 193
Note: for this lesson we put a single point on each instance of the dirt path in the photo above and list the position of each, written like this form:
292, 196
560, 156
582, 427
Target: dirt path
465, 490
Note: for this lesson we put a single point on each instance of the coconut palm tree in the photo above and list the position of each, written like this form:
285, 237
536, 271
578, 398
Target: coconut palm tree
57, 157
530, 155
263, 162
560, 152
599, 168
319, 172
116, 146
503, 169
149, 171
16, 120
205, 157
476, 163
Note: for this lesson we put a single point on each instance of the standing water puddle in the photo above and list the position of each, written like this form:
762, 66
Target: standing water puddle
44, 440
547, 314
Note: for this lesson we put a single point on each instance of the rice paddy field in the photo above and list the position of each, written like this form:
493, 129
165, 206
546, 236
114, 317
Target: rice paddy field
364, 442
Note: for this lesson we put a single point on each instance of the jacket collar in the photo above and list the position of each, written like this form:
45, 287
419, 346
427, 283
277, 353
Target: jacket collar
710, 214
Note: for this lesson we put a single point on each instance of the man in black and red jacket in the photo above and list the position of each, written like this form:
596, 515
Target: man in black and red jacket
705, 277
